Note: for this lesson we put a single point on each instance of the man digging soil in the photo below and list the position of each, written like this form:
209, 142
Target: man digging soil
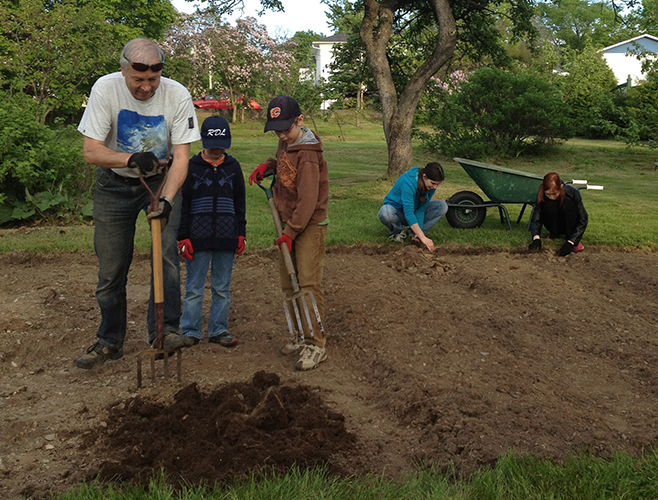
135, 122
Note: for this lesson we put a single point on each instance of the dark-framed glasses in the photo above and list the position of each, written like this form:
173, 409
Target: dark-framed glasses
141, 67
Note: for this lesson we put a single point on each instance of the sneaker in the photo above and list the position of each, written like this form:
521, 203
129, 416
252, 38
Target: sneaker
290, 347
398, 237
195, 341
311, 357
223, 339
579, 247
97, 354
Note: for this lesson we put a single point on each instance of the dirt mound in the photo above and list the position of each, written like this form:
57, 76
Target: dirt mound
235, 430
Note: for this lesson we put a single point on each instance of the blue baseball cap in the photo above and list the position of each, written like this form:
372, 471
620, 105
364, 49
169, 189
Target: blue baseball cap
215, 133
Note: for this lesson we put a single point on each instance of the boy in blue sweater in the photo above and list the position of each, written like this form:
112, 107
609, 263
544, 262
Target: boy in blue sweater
212, 231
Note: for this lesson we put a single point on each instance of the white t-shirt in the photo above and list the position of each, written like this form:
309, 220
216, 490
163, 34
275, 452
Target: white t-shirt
128, 125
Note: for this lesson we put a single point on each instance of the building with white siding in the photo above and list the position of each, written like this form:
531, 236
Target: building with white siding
323, 55
623, 60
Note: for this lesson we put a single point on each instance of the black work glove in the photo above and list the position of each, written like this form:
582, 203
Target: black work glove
146, 162
566, 249
535, 245
163, 211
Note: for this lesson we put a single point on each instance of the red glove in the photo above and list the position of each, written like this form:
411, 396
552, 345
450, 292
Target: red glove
185, 248
241, 243
285, 239
257, 175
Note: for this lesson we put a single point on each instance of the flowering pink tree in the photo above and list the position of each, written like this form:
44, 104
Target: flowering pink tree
242, 59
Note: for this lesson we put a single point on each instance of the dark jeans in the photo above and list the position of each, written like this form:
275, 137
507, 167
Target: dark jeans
559, 219
116, 208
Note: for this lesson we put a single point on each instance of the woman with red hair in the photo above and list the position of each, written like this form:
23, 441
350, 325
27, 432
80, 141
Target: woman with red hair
560, 209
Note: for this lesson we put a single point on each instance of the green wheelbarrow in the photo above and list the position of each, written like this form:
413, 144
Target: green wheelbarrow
467, 209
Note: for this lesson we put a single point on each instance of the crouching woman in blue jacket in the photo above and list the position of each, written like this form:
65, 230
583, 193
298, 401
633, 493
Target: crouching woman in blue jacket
409, 204
560, 210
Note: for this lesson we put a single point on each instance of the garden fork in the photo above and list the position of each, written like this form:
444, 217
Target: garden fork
298, 303
158, 293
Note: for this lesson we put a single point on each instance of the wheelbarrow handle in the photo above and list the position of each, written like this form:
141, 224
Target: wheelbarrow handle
287, 259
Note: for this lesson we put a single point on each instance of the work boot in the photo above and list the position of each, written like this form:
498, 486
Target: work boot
97, 354
311, 357
172, 341
290, 347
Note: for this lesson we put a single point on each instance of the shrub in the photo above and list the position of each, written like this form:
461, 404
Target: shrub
588, 86
643, 108
608, 118
499, 114
42, 170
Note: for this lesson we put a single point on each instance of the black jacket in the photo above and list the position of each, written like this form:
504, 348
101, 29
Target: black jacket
213, 212
573, 194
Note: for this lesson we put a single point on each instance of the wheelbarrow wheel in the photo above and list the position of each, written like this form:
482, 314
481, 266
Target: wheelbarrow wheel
465, 216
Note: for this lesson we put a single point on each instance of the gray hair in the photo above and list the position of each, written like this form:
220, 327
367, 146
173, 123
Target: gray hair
139, 50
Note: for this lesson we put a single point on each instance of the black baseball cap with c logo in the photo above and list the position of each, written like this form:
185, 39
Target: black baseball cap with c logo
281, 113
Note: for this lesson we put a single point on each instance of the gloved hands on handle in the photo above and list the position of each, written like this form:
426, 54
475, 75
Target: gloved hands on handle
242, 241
258, 174
285, 239
146, 162
185, 248
164, 209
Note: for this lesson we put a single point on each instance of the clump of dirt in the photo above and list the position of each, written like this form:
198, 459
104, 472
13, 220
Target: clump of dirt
425, 263
235, 430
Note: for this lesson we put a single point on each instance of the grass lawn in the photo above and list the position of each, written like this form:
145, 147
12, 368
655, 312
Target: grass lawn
513, 478
621, 215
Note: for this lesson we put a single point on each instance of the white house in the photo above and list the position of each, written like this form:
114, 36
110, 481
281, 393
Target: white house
323, 54
622, 58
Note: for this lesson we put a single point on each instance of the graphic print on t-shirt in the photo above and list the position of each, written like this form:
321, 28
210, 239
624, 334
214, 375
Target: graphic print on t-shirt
137, 133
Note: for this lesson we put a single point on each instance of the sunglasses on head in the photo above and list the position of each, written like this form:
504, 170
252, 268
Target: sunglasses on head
141, 67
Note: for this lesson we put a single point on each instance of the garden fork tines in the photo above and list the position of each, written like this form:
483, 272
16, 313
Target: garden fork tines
297, 306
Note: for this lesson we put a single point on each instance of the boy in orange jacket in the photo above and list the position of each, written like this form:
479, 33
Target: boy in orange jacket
301, 194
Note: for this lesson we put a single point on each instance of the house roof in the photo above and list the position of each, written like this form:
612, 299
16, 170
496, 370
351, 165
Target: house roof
650, 42
338, 37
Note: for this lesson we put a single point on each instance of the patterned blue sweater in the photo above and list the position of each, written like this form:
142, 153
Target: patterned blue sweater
213, 212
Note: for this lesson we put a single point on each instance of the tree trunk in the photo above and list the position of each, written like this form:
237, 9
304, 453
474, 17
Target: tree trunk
398, 140
315, 125
398, 112
359, 102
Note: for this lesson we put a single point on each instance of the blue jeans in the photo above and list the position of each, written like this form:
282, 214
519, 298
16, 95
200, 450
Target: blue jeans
220, 282
116, 208
393, 218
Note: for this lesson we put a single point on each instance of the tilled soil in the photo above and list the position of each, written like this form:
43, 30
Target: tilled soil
450, 358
